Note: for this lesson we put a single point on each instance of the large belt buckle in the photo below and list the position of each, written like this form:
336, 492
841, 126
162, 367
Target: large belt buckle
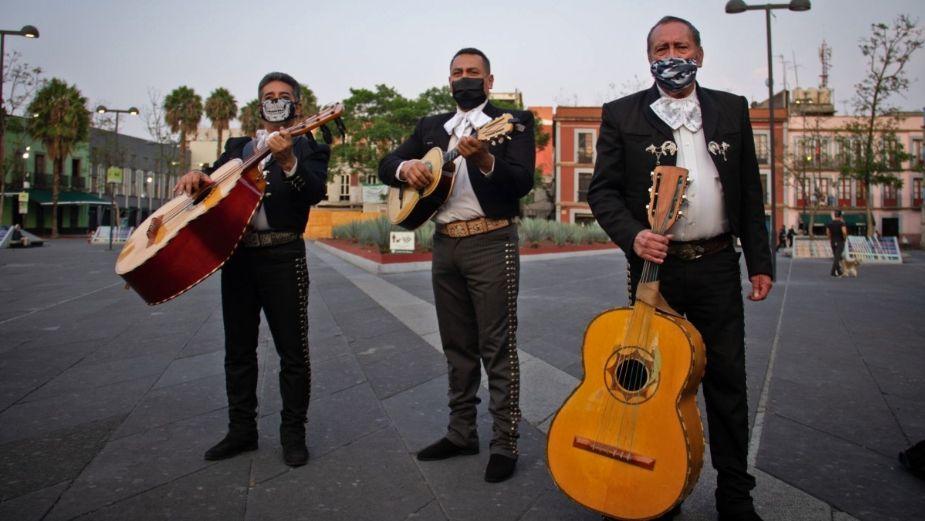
476, 226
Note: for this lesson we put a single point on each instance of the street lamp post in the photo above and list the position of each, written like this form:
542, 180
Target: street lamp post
115, 208
739, 6
28, 31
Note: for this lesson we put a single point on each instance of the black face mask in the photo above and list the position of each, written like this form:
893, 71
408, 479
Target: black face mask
468, 92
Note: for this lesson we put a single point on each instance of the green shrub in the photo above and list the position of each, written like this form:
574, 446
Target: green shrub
424, 236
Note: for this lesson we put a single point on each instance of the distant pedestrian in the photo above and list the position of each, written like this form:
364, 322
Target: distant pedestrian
837, 232
790, 235
781, 238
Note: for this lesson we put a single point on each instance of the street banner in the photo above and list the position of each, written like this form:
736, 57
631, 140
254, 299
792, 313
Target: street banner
114, 175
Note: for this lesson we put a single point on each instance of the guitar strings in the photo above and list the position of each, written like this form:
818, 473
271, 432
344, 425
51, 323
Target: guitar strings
176, 211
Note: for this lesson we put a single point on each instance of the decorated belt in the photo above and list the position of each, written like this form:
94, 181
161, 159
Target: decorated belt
267, 238
692, 250
459, 229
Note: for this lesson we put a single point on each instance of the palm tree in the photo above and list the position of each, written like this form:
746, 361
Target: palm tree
183, 110
250, 117
221, 107
60, 121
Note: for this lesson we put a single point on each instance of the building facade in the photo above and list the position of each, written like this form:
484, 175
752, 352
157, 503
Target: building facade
149, 172
819, 147
574, 138
28, 177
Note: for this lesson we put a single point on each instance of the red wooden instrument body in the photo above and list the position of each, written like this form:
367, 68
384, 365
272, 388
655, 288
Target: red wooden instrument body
191, 236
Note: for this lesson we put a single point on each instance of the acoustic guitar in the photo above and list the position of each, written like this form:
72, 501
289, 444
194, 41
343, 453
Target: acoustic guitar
628, 442
191, 236
410, 208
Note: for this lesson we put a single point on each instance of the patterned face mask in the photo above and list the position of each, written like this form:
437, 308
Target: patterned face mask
277, 110
673, 74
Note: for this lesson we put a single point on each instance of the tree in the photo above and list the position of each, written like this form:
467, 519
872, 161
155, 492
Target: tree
378, 121
879, 154
61, 120
155, 120
250, 117
804, 165
183, 110
23, 79
221, 108
307, 101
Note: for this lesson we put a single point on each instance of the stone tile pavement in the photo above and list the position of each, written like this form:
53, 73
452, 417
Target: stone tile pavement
106, 404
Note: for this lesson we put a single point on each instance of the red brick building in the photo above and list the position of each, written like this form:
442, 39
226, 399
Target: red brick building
575, 132
574, 137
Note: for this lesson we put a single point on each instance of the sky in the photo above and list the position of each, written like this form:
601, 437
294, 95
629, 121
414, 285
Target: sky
555, 52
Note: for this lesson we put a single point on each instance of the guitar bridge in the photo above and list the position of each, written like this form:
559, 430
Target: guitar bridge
612, 452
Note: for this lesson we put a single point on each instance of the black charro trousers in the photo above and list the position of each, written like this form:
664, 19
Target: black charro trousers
708, 292
274, 279
476, 283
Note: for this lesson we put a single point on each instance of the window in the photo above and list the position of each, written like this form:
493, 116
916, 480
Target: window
76, 180
764, 187
762, 148
917, 191
584, 181
860, 194
918, 155
844, 192
813, 152
140, 187
890, 195
39, 163
127, 186
823, 194
584, 147
344, 188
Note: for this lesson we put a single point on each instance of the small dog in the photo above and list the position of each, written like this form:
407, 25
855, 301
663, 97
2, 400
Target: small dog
849, 266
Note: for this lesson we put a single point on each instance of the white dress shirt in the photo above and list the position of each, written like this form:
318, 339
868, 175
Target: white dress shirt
704, 215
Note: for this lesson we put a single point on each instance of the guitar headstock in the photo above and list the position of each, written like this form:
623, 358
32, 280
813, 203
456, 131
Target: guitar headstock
498, 129
666, 197
328, 113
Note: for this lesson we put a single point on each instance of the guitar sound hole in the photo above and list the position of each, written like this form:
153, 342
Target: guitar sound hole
632, 375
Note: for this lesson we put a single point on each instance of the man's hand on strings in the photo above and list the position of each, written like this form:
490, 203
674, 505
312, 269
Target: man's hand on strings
191, 182
471, 148
416, 174
280, 143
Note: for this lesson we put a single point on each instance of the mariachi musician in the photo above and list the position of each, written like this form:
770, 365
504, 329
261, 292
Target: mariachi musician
268, 272
677, 122
476, 264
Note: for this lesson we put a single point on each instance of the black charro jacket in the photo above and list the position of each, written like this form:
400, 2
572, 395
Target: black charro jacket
287, 200
619, 188
515, 161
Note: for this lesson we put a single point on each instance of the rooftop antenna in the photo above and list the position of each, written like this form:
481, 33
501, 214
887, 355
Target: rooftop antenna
796, 74
783, 66
825, 56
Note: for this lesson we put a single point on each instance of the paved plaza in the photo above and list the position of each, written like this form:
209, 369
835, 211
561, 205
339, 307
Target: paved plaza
107, 404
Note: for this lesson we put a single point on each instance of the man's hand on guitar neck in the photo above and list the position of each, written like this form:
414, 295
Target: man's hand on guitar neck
471, 148
191, 182
651, 246
415, 173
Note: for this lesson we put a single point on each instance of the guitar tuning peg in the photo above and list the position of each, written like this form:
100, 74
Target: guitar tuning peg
508, 138
650, 189
647, 207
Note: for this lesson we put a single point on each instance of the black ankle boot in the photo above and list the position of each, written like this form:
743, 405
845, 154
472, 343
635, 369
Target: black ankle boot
295, 454
499, 468
231, 445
